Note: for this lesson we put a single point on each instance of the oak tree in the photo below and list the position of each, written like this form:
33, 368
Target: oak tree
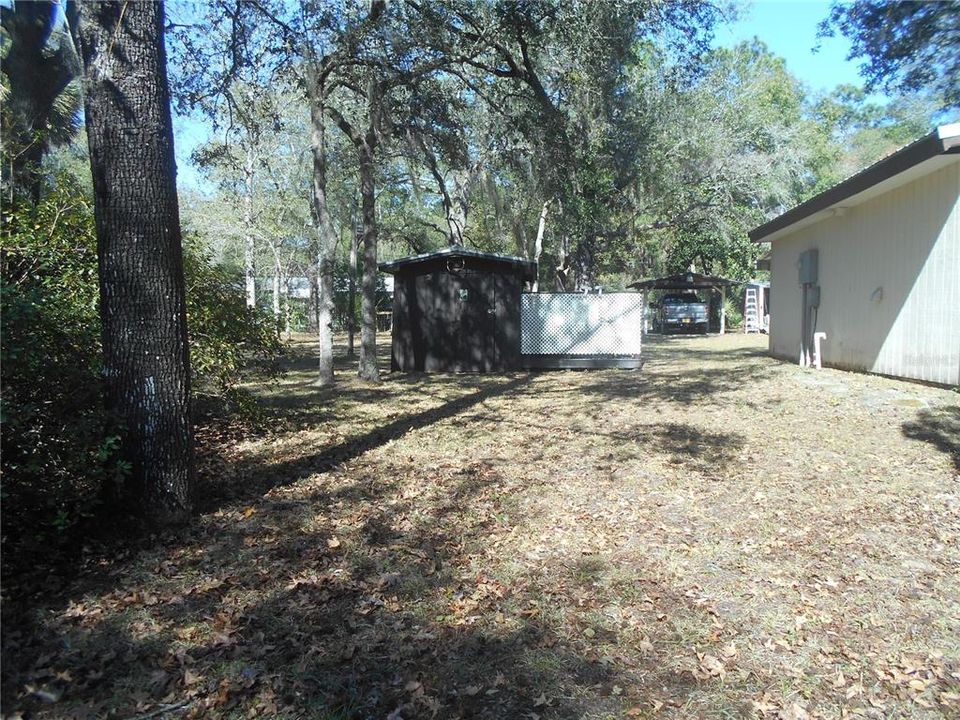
146, 364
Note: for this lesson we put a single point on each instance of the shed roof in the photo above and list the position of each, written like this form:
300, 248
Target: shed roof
527, 267
683, 281
916, 159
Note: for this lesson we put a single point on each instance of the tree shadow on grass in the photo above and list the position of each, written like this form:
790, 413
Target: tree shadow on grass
245, 482
683, 385
940, 427
706, 452
276, 620
258, 477
283, 611
685, 444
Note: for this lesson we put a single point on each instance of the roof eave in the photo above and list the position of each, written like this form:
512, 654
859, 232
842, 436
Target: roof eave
944, 140
528, 267
678, 282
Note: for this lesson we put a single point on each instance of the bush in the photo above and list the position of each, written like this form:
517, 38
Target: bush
228, 340
734, 312
56, 457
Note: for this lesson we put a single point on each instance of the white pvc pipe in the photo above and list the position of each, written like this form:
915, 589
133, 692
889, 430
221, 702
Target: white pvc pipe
817, 337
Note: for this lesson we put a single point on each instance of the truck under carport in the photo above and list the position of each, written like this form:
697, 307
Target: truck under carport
689, 281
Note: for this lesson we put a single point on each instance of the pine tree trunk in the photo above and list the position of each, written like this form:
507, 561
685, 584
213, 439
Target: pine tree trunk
368, 285
142, 305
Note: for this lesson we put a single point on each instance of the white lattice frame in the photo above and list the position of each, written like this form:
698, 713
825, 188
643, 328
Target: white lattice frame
576, 324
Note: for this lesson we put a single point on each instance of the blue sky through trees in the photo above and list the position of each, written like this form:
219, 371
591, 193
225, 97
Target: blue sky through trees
788, 27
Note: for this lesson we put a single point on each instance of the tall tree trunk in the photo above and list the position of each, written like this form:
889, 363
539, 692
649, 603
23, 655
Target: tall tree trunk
368, 286
277, 281
286, 309
326, 235
501, 215
538, 243
452, 206
459, 207
142, 304
313, 277
563, 269
454, 209
325, 305
352, 294
365, 144
249, 263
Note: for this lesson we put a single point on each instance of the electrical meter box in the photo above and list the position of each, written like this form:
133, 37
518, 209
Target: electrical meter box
808, 267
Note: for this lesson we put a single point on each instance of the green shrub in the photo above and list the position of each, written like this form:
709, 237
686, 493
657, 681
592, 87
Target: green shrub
56, 455
734, 307
228, 340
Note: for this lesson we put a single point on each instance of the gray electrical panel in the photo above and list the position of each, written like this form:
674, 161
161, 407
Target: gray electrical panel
808, 267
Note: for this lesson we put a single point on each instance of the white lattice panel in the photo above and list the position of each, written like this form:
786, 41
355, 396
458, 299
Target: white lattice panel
571, 324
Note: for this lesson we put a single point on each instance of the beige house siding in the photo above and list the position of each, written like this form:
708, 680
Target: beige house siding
905, 241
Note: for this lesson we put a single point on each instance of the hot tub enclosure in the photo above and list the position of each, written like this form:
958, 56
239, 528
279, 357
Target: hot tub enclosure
457, 310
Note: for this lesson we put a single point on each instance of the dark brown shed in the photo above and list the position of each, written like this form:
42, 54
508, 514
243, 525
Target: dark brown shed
457, 310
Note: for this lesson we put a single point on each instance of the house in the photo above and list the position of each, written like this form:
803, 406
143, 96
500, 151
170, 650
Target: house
874, 263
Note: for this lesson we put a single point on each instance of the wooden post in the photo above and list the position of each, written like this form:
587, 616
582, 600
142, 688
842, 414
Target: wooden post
723, 309
643, 330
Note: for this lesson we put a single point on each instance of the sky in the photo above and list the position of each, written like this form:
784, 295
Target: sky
788, 27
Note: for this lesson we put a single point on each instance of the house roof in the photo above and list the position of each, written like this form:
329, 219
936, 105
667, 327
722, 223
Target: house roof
527, 267
683, 281
927, 154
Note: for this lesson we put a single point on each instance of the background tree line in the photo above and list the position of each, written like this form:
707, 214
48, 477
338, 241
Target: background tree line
607, 141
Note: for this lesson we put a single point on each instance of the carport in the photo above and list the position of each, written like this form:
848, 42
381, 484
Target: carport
689, 281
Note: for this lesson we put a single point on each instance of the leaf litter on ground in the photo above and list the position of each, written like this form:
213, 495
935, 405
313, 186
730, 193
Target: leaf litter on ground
692, 540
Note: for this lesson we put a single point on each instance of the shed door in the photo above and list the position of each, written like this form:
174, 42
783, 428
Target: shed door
476, 303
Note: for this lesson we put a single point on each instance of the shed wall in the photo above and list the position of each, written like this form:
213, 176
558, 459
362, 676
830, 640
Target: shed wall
467, 320
907, 242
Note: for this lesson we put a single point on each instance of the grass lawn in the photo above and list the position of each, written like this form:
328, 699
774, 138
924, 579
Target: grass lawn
719, 535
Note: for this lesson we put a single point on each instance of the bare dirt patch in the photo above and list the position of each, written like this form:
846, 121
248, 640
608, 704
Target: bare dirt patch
719, 535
